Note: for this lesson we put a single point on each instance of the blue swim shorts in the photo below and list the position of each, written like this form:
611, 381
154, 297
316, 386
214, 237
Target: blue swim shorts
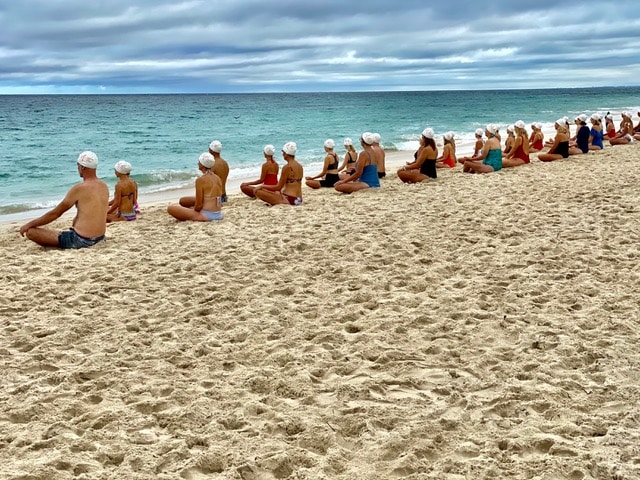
212, 215
70, 239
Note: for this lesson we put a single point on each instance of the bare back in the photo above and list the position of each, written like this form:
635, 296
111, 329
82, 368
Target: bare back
221, 169
91, 198
126, 194
292, 174
208, 192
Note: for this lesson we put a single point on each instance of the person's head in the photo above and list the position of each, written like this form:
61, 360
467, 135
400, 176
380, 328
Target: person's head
87, 164
122, 168
269, 151
449, 138
479, 133
427, 138
329, 145
561, 125
289, 151
215, 147
366, 139
206, 161
376, 138
491, 130
511, 130
596, 119
348, 144
520, 127
581, 119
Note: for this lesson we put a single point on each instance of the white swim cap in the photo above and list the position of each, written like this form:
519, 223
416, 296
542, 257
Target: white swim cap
215, 146
347, 142
123, 167
479, 132
428, 133
290, 148
510, 128
562, 122
206, 160
492, 128
519, 124
449, 136
329, 143
367, 137
596, 117
376, 138
88, 159
582, 117
269, 150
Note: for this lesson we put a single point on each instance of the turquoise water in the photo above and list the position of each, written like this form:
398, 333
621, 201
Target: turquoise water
162, 135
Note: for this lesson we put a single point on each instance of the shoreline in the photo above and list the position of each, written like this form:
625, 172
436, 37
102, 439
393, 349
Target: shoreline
394, 159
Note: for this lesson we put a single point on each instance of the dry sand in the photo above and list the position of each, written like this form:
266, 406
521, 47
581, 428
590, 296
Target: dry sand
479, 327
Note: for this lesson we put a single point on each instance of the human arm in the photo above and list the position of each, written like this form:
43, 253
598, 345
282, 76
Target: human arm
358, 171
345, 161
263, 176
327, 161
446, 153
135, 194
423, 154
554, 145
115, 203
67, 202
480, 155
199, 194
478, 148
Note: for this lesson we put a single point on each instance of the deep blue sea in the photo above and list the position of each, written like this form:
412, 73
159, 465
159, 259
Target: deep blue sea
163, 135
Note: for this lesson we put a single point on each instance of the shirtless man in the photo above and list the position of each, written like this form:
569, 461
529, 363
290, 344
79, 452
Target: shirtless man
91, 199
206, 205
221, 167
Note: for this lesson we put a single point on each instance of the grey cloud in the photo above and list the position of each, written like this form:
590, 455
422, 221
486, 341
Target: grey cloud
251, 45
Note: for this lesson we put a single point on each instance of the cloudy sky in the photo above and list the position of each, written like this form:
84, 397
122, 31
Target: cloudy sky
159, 46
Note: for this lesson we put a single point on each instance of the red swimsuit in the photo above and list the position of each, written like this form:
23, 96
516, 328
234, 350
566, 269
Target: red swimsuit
271, 179
520, 153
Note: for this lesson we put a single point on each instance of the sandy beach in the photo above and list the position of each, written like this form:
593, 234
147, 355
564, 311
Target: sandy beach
476, 327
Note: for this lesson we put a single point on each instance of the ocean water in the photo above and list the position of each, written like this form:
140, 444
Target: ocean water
163, 135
